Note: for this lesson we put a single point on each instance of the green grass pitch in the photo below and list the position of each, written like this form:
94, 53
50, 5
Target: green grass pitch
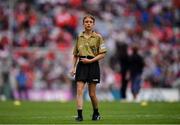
112, 113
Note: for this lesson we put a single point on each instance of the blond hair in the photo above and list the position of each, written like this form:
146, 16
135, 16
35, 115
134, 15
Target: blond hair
89, 16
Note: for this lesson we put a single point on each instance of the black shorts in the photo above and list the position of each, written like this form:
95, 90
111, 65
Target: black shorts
89, 73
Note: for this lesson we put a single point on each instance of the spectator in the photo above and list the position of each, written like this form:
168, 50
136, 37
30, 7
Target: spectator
22, 84
123, 60
136, 64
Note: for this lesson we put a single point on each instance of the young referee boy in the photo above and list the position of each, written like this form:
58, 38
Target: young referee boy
89, 49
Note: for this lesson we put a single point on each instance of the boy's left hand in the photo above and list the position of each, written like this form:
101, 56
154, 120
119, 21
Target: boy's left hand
85, 60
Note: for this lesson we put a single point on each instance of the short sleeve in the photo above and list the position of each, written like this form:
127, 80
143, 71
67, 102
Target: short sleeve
102, 46
75, 50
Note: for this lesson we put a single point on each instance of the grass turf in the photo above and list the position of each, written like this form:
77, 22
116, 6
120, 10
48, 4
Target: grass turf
112, 113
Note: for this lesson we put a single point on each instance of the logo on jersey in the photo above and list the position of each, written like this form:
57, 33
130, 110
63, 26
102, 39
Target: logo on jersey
103, 46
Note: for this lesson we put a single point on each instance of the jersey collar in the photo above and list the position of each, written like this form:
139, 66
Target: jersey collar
92, 35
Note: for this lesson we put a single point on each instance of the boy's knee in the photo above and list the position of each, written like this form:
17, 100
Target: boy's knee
92, 95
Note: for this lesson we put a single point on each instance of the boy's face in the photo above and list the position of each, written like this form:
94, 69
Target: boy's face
88, 23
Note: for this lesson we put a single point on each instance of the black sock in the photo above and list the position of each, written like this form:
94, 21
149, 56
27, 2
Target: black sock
79, 112
96, 111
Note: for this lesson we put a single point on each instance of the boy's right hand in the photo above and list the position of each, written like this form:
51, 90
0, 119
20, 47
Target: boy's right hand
72, 72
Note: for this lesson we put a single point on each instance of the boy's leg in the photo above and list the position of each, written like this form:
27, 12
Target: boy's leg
94, 101
79, 99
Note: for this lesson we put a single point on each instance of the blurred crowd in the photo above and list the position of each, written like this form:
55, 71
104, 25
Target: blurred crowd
37, 36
